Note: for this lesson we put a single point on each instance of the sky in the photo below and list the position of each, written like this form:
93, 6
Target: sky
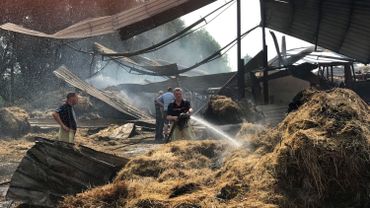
224, 28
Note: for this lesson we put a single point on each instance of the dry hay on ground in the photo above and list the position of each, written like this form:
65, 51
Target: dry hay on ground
317, 157
14, 122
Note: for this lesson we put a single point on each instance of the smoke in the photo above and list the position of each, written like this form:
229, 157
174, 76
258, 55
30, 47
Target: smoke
186, 51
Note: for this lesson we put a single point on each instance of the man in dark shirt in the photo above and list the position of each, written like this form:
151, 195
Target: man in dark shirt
66, 118
176, 110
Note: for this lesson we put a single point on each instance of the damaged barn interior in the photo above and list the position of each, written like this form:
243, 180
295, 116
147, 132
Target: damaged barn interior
184, 103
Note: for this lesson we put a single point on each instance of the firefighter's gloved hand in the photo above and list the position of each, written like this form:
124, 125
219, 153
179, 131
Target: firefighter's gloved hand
184, 116
183, 120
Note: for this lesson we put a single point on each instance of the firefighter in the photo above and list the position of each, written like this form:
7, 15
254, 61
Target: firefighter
179, 113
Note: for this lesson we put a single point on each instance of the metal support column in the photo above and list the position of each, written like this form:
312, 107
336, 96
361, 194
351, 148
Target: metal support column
241, 79
265, 61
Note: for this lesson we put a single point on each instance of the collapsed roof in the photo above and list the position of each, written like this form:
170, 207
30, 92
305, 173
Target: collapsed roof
134, 17
338, 25
118, 103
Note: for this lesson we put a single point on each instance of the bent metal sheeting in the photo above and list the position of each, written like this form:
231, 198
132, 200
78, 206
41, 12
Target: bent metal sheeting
119, 104
53, 169
338, 25
129, 22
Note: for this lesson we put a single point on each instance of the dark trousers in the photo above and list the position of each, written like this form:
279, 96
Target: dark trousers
159, 123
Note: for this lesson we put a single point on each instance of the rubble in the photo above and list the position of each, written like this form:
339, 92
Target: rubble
116, 132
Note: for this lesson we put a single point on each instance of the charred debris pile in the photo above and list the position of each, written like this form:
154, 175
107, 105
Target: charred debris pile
317, 157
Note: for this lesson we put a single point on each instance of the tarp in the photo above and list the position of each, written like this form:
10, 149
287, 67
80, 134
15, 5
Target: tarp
53, 169
130, 22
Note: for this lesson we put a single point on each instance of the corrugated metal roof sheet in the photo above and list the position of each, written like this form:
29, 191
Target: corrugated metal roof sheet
129, 22
51, 16
119, 104
339, 25
53, 169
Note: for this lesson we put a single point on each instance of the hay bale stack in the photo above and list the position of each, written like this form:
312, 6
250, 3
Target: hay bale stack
14, 122
223, 110
317, 157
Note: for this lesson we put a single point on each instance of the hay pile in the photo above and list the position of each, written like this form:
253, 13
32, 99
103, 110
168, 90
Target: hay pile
223, 110
317, 157
14, 122
301, 98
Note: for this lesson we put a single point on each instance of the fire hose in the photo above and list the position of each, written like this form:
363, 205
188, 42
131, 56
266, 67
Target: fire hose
181, 123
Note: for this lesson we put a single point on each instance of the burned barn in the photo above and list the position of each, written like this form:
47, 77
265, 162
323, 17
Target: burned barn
286, 127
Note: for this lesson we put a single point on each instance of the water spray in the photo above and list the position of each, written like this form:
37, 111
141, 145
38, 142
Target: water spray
215, 130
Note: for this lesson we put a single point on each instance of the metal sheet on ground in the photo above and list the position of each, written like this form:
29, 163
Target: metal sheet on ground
52, 169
